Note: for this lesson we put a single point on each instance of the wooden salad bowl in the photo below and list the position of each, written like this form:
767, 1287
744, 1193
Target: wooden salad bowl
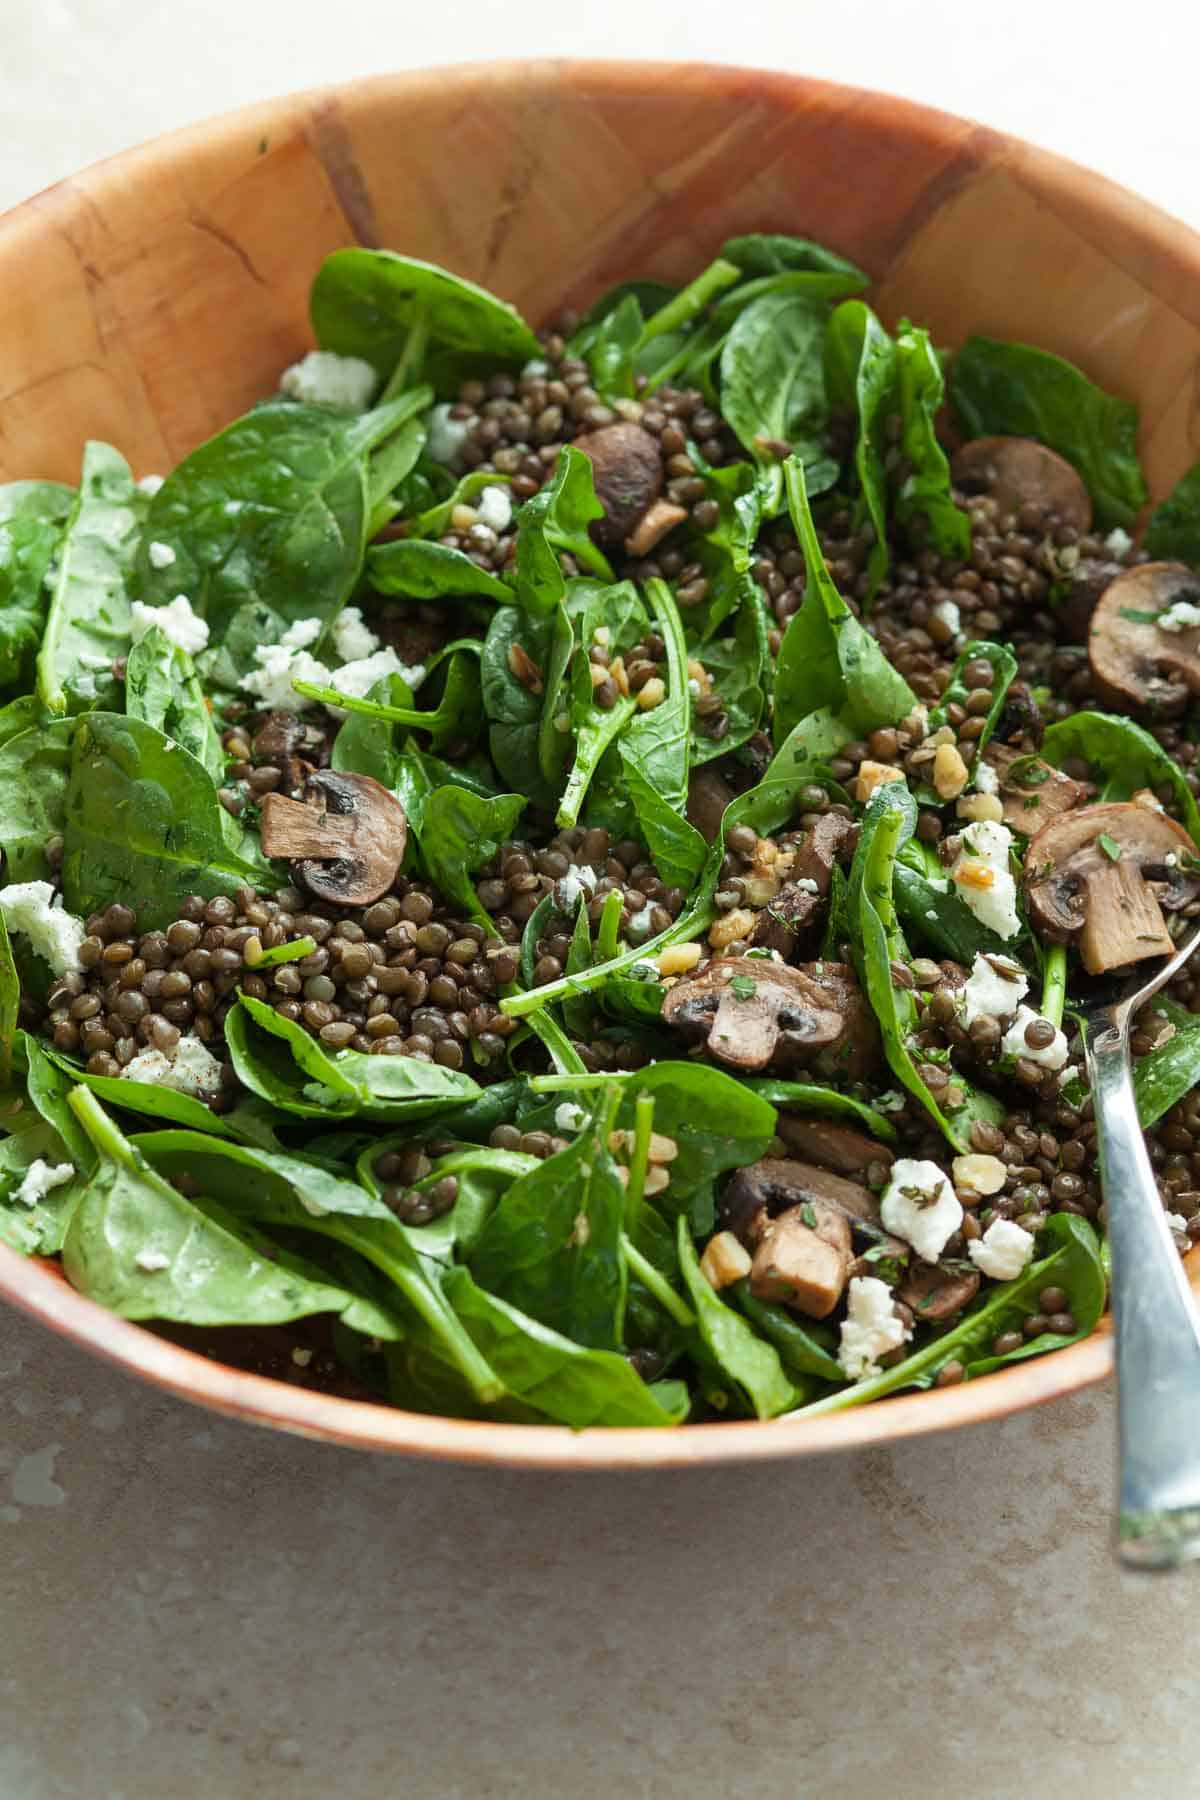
151, 299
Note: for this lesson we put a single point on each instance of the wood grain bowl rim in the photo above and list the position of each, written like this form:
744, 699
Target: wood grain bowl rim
1137, 231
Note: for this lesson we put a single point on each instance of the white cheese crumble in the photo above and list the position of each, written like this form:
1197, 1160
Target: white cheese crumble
1051, 1056
870, 1328
984, 860
920, 1206
323, 378
150, 484
948, 613
579, 879
807, 885
358, 678
33, 909
300, 635
353, 638
495, 510
1183, 616
990, 995
986, 779
1118, 542
161, 556
190, 1069
152, 1261
40, 1179
569, 1117
446, 435
1004, 1251
176, 619
279, 665
535, 367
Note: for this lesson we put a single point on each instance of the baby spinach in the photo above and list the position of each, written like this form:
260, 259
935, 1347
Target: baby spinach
482, 1174
553, 523
773, 389
827, 659
162, 689
656, 744
716, 1122
144, 825
942, 919
1014, 390
1122, 757
861, 373
807, 1097
618, 610
150, 1098
1173, 530
34, 770
736, 664
925, 491
461, 831
726, 551
272, 512
737, 1364
1004, 673
552, 1247
1172, 1069
774, 253
804, 1348
10, 1000
37, 1229
48, 1087
435, 519
393, 310
516, 655
455, 719
87, 625
32, 514
421, 570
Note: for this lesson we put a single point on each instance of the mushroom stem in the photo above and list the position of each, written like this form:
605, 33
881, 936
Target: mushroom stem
290, 829
1124, 920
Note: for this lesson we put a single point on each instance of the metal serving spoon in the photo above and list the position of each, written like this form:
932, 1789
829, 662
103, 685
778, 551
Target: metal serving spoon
1157, 1325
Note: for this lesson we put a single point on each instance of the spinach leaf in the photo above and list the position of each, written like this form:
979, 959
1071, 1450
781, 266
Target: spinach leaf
10, 1000
361, 747
161, 689
827, 659
736, 665
393, 310
619, 611
726, 552
482, 1174
861, 373
925, 492
36, 1230
1015, 390
455, 719
677, 849
268, 1185
516, 654
808, 748
773, 389
717, 1122
740, 1365
48, 500
1172, 1068
34, 767
435, 520
656, 743
460, 832
804, 1348
555, 521
88, 621
31, 524
1173, 530
143, 825
552, 1247
49, 1088
806, 1097
650, 296
426, 571
19, 715
774, 253
150, 1098
1122, 757
272, 512
678, 313
613, 346
942, 918
563, 1380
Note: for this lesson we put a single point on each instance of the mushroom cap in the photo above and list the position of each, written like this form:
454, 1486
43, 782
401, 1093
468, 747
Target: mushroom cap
774, 1184
1086, 872
935, 1293
753, 1009
1134, 661
627, 470
1032, 792
346, 840
1018, 472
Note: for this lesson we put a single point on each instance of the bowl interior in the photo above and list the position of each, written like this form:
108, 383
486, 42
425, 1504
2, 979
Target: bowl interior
151, 299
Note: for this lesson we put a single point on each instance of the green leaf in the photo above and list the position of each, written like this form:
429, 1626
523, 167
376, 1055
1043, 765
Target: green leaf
804, 1349
162, 689
49, 1086
456, 717
10, 999
809, 1097
618, 610
424, 571
382, 307
1014, 390
738, 1361
88, 621
34, 769
36, 1230
32, 514
149, 1098
144, 825
460, 832
1004, 673
737, 665
1121, 757
941, 918
554, 521
773, 389
861, 371
1172, 1069
1173, 531
656, 743
925, 492
717, 1122
482, 1174
774, 253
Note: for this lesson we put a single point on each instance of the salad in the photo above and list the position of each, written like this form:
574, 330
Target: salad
545, 874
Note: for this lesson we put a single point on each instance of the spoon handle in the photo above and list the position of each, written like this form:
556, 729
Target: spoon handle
1157, 1331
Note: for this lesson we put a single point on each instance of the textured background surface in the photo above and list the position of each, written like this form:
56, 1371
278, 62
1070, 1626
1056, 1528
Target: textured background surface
198, 1610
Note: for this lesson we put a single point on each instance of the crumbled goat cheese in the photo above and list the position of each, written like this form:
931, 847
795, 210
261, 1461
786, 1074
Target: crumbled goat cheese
920, 1206
1051, 1056
152, 1261
323, 378
446, 435
358, 678
40, 1179
579, 879
569, 1117
161, 556
278, 667
176, 619
986, 779
641, 925
150, 484
33, 909
494, 507
190, 1069
807, 885
947, 611
870, 1328
353, 638
1004, 1251
984, 880
990, 995
1183, 616
1118, 542
300, 635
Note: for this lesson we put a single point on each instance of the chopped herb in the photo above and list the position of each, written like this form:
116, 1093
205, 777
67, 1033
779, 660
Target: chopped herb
1110, 847
742, 987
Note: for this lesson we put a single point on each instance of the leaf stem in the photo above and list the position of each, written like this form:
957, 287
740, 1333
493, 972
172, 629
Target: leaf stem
688, 925
657, 1284
639, 1161
692, 299
570, 1084
1054, 984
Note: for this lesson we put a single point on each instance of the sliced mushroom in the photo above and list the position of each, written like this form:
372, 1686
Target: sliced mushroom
345, 840
708, 795
1074, 595
1019, 472
836, 1147
762, 1190
1102, 874
627, 469
803, 1259
935, 1293
1032, 792
659, 517
752, 1010
832, 837
1134, 661
792, 916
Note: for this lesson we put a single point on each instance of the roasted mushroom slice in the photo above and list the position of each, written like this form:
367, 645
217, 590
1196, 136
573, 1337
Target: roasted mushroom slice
627, 470
1032, 792
1102, 874
935, 1293
836, 1147
752, 1010
786, 921
708, 795
1019, 472
803, 1259
759, 1192
1144, 641
345, 840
